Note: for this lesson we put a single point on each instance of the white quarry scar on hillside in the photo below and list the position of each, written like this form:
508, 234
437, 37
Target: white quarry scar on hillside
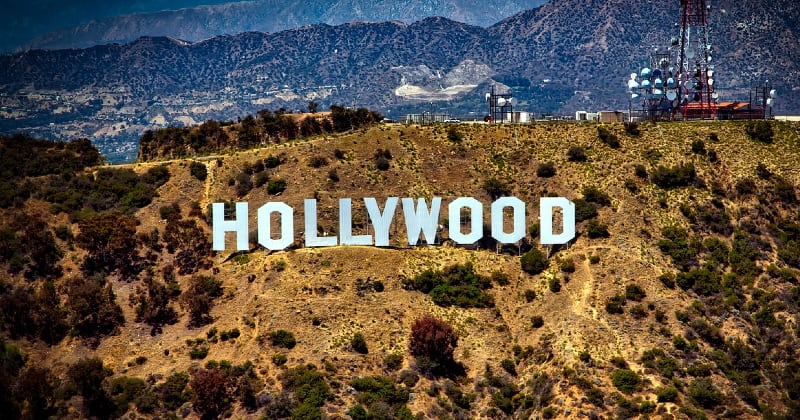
423, 83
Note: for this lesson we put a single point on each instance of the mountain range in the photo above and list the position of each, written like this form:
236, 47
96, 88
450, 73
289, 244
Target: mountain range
558, 58
203, 22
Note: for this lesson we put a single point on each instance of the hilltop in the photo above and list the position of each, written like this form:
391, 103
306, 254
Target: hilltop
679, 295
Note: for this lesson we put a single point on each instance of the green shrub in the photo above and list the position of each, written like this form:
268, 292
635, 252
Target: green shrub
568, 265
634, 292
595, 229
593, 195
276, 186
674, 177
198, 352
457, 285
698, 147
537, 321
584, 210
640, 171
333, 175
667, 394
554, 285
317, 161
509, 366
534, 261
546, 170
703, 393
607, 137
279, 359
576, 154
632, 128
453, 135
393, 361
530, 295
626, 380
198, 170
496, 188
760, 131
359, 343
282, 338
614, 304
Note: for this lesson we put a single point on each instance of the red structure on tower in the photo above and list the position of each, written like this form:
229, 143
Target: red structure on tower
697, 98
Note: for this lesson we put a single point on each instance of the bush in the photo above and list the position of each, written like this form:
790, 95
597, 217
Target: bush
496, 188
276, 186
632, 128
537, 321
198, 170
211, 395
272, 161
198, 352
634, 292
509, 366
433, 339
703, 393
546, 170
198, 298
568, 265
699, 147
760, 131
534, 261
595, 229
359, 344
453, 135
317, 161
608, 138
667, 394
333, 175
584, 210
576, 154
626, 380
530, 295
382, 163
393, 361
282, 338
640, 171
554, 285
674, 177
593, 195
457, 285
614, 304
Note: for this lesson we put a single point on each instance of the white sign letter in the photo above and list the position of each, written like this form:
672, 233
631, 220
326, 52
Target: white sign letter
346, 225
219, 226
420, 219
476, 220
497, 220
546, 205
381, 221
265, 226
311, 227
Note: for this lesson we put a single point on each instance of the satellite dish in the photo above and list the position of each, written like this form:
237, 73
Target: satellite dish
633, 84
501, 101
773, 93
690, 54
645, 84
769, 102
659, 83
671, 95
711, 82
656, 73
633, 76
488, 95
510, 101
645, 73
715, 95
658, 93
710, 73
670, 82
634, 95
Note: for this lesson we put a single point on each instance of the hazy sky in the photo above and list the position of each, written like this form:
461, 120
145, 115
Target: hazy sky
22, 20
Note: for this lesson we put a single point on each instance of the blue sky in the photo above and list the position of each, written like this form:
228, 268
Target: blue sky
22, 20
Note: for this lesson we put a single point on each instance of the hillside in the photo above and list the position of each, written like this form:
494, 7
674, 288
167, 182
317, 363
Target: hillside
679, 296
561, 57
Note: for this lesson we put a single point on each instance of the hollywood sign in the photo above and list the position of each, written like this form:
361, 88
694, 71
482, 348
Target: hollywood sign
420, 219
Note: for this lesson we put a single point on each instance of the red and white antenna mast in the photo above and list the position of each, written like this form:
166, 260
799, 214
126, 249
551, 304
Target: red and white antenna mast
697, 97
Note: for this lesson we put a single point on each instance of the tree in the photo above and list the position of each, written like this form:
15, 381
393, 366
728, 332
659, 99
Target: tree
110, 239
198, 298
212, 395
88, 376
151, 302
433, 339
534, 261
313, 107
92, 307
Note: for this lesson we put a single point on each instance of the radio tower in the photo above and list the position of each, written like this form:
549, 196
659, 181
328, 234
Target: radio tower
696, 95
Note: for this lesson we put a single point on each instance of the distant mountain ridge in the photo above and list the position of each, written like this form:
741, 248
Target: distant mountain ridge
203, 22
558, 58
